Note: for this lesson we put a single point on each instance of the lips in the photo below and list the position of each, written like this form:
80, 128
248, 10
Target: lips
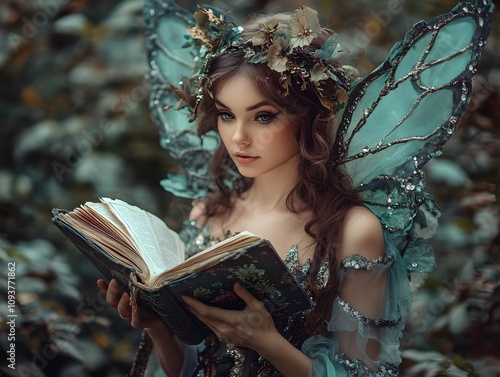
245, 159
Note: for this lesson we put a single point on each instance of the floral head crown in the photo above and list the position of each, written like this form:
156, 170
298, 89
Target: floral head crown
285, 49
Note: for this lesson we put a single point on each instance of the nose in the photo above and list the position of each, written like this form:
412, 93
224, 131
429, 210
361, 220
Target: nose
241, 134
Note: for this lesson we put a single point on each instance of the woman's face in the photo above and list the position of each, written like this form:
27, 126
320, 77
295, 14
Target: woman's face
258, 136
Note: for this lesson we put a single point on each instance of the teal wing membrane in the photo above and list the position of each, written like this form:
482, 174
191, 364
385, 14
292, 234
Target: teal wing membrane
402, 114
173, 63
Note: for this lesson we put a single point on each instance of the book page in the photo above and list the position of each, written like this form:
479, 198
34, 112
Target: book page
100, 216
116, 248
103, 211
210, 256
160, 247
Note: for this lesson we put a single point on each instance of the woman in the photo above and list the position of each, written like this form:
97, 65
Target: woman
291, 193
271, 94
273, 112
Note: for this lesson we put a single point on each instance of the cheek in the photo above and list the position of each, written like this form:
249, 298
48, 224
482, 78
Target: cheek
224, 134
279, 136
286, 139
264, 137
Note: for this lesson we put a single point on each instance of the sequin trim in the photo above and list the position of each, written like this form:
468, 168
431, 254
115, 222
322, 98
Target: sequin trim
292, 262
357, 368
301, 270
238, 358
373, 322
196, 238
359, 262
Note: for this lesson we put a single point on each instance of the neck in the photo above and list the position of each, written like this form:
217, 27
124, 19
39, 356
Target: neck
270, 191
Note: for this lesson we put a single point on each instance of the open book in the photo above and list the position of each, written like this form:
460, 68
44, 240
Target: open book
145, 255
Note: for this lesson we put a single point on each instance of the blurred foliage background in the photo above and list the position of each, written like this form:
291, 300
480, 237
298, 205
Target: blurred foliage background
74, 125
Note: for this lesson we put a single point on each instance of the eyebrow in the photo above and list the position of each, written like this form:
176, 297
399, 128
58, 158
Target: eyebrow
250, 108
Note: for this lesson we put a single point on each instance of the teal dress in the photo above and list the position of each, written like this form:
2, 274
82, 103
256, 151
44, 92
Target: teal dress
362, 337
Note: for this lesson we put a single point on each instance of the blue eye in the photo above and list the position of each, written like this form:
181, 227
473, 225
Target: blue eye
266, 117
224, 115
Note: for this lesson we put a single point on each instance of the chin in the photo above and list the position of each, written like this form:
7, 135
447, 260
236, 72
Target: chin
247, 174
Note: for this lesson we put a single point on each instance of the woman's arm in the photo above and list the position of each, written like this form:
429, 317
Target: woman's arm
366, 323
167, 346
290, 361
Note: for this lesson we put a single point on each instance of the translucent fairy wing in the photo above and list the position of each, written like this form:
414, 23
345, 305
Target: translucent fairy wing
402, 114
171, 62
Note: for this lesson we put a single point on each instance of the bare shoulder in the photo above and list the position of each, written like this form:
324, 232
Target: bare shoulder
361, 234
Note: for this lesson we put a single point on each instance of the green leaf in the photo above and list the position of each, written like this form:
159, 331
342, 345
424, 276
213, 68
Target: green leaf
330, 50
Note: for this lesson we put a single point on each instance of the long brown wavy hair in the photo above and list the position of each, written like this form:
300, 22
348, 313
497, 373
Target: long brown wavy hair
322, 186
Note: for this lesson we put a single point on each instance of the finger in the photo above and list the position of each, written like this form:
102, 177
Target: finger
246, 296
219, 328
200, 309
114, 293
124, 308
102, 285
138, 319
191, 302
201, 317
222, 322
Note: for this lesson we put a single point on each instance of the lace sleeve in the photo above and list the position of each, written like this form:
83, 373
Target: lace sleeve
367, 319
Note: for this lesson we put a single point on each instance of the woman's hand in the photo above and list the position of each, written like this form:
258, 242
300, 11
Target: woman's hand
252, 327
120, 300
167, 348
